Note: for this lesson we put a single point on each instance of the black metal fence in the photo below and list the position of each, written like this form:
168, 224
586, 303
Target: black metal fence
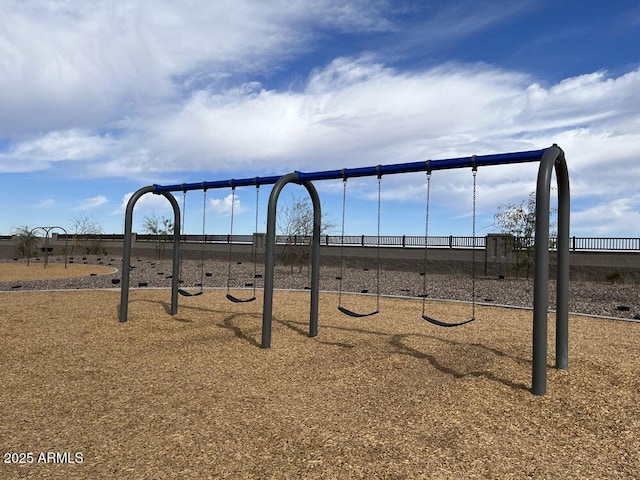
409, 241
605, 244
337, 240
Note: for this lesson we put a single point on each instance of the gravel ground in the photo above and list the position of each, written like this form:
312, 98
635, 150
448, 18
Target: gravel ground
591, 298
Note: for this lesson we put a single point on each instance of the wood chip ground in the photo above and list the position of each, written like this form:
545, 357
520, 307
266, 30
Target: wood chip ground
387, 396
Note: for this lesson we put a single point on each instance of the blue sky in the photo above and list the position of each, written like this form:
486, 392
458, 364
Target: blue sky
101, 98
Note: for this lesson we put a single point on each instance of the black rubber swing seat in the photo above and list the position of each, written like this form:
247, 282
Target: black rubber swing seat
185, 293
440, 323
230, 297
233, 299
351, 313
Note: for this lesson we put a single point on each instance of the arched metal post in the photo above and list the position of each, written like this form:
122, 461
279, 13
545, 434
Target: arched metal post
269, 261
47, 230
552, 158
126, 254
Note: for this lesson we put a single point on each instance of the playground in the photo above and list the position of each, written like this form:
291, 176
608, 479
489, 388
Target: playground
389, 396
318, 382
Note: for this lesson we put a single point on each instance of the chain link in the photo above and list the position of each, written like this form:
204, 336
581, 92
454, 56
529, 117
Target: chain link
473, 249
344, 211
426, 241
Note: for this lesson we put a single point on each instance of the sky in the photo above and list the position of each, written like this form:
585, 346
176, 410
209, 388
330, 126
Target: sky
101, 98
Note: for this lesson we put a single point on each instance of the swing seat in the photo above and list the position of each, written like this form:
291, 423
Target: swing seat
440, 323
351, 313
186, 293
340, 277
233, 299
435, 321
228, 296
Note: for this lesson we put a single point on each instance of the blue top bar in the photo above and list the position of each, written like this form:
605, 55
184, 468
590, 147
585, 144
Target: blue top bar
389, 169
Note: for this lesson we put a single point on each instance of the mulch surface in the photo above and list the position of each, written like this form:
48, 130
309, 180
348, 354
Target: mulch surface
387, 396
11, 272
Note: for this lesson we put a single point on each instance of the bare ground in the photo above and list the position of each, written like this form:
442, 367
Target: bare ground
619, 300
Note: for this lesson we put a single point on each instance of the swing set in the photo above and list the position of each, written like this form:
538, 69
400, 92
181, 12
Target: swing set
425, 316
429, 318
550, 159
341, 308
182, 291
256, 275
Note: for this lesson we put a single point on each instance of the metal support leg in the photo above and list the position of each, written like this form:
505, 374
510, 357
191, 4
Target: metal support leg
552, 158
126, 253
269, 262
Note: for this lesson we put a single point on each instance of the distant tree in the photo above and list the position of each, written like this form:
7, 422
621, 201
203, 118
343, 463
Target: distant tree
26, 241
88, 228
519, 220
162, 228
295, 222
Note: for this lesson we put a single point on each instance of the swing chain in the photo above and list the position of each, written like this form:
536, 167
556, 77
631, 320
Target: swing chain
474, 167
254, 256
184, 206
473, 253
378, 241
229, 296
426, 239
204, 235
182, 235
344, 212
233, 201
181, 250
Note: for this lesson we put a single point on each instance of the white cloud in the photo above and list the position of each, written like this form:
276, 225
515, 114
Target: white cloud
358, 112
352, 112
616, 217
222, 206
146, 90
85, 63
69, 145
91, 203
46, 203
148, 203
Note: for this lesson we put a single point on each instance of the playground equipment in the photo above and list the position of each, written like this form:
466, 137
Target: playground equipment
428, 318
229, 296
549, 159
46, 247
182, 291
341, 308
